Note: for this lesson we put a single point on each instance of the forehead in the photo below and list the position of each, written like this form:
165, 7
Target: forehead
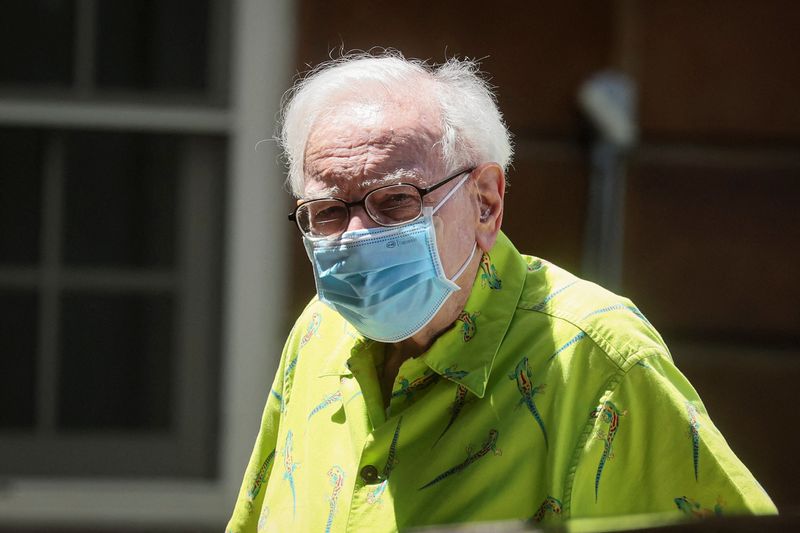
356, 147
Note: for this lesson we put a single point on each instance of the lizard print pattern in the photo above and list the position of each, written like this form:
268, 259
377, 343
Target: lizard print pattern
541, 305
616, 307
535, 265
311, 329
452, 373
409, 388
522, 375
489, 446
489, 273
261, 475
374, 496
336, 477
469, 327
262, 519
353, 397
573, 340
693, 508
289, 468
286, 373
455, 410
694, 434
609, 414
329, 400
278, 396
549, 504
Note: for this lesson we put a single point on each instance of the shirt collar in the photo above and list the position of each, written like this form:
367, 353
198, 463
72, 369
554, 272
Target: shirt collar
466, 352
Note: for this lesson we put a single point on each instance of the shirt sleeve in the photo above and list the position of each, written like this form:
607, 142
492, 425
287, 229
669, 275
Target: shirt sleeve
251, 494
651, 449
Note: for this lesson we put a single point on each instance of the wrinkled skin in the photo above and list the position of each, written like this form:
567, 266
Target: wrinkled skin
359, 146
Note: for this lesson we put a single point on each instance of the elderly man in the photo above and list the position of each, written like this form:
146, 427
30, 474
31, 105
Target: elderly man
440, 376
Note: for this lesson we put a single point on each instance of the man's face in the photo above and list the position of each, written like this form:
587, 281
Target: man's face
359, 147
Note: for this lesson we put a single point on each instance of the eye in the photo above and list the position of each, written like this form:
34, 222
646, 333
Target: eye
323, 217
327, 215
398, 201
394, 204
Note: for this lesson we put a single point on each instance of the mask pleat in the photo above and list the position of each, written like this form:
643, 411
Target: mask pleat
386, 282
372, 298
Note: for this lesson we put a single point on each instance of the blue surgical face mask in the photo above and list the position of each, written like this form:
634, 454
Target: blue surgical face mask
387, 282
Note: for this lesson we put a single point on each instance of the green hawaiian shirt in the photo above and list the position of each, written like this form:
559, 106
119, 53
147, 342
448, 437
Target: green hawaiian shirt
550, 400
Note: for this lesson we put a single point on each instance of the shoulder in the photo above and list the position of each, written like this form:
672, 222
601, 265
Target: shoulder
617, 329
317, 319
320, 339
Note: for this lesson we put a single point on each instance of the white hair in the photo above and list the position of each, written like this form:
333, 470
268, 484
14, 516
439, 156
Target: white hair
473, 130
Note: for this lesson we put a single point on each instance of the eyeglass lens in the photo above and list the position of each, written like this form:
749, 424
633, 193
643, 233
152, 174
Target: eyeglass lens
388, 206
394, 204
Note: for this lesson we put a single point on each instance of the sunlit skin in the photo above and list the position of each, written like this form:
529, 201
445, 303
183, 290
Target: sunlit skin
357, 147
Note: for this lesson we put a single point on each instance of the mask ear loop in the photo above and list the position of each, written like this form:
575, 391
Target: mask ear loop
466, 264
451, 193
440, 204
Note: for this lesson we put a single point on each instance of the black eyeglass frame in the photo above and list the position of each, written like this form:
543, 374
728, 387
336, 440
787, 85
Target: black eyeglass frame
423, 191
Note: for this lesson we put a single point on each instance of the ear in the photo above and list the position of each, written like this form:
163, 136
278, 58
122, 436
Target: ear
490, 182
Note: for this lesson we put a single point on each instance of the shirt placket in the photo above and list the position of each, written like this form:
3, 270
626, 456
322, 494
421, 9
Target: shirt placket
375, 434
366, 421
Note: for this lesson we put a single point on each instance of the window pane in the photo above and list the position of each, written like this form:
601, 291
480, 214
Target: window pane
116, 361
20, 195
120, 197
18, 316
153, 44
36, 37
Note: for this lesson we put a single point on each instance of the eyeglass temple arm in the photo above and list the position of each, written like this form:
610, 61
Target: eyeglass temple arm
293, 218
446, 181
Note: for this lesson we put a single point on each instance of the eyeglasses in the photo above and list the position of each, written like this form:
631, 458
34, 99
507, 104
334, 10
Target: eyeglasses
390, 205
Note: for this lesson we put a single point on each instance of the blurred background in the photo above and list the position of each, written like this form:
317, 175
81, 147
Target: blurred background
148, 274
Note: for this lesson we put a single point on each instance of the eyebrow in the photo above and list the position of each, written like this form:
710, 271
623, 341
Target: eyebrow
327, 192
370, 183
400, 175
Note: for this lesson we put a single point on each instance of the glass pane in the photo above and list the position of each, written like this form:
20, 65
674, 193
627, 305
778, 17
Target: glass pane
20, 195
18, 317
151, 44
116, 361
120, 199
36, 37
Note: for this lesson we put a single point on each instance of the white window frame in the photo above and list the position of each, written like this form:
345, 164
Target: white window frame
255, 288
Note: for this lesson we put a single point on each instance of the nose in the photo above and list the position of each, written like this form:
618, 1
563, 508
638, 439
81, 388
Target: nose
359, 219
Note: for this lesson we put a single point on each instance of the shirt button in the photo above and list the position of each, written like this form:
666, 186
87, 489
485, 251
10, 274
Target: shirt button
369, 474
